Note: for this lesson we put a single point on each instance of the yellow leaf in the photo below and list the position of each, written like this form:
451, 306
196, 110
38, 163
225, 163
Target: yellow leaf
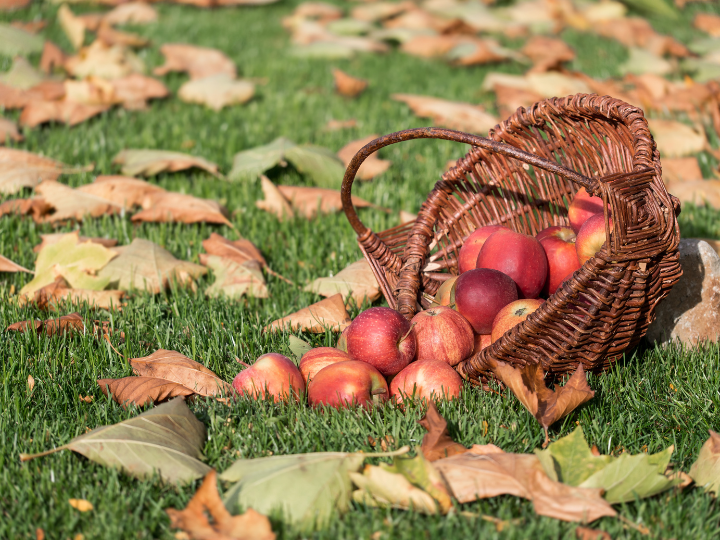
81, 505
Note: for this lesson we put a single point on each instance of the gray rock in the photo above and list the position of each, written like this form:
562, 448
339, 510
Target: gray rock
691, 312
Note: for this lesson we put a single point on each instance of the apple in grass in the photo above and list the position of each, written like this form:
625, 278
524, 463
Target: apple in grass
441, 333
426, 379
559, 245
272, 374
481, 293
346, 383
467, 257
519, 256
590, 238
512, 314
316, 359
383, 338
582, 208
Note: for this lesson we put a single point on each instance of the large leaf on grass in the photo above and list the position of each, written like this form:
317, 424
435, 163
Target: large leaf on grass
569, 460
356, 280
15, 41
142, 390
250, 164
6, 265
235, 280
316, 318
19, 169
152, 162
384, 488
308, 488
166, 439
706, 470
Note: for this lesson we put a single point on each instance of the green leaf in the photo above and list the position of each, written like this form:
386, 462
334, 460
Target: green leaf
14, 41
250, 164
421, 473
706, 470
653, 7
383, 488
570, 461
627, 477
306, 487
322, 165
21, 75
298, 347
166, 439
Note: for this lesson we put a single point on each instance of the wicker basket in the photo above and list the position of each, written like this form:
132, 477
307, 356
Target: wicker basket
524, 176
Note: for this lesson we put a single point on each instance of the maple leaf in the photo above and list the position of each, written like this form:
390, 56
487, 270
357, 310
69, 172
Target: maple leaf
72, 26
104, 61
383, 488
356, 280
547, 406
152, 162
20, 169
217, 91
50, 296
234, 279
326, 314
706, 469
166, 206
71, 204
451, 114
372, 166
39, 112
675, 139
6, 265
18, 42
9, 131
140, 391
198, 62
274, 202
69, 324
121, 190
240, 251
131, 13
146, 266
54, 238
347, 85
108, 35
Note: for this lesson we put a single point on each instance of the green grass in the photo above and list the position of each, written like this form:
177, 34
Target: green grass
635, 408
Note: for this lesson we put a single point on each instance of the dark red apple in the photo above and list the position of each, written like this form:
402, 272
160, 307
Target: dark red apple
441, 333
559, 245
481, 293
272, 374
445, 295
582, 207
426, 379
316, 359
513, 314
519, 256
590, 238
347, 383
383, 338
472, 245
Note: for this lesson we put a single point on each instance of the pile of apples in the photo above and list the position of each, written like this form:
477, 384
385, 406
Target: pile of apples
503, 276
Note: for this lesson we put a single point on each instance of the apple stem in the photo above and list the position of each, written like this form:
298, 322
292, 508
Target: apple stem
241, 362
378, 391
406, 335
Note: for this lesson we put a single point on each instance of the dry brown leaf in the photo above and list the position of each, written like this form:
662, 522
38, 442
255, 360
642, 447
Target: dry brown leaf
131, 13
121, 190
90, 91
51, 296
274, 202
71, 204
17, 98
586, 533
81, 505
437, 443
675, 139
11, 5
9, 130
708, 22
151, 162
104, 61
328, 313
347, 85
478, 51
681, 170
142, 390
698, 192
6, 265
54, 238
451, 114
217, 91
135, 89
372, 166
108, 35
378, 11
73, 27
91, 21
307, 201
32, 27
19, 169
31, 385
193, 520
167, 206
198, 62
52, 57
510, 99
240, 251
234, 280
431, 46
69, 324
356, 280
547, 53
39, 112
547, 406
335, 125
178, 368
35, 207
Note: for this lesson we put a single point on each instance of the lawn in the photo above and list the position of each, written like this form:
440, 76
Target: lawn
650, 400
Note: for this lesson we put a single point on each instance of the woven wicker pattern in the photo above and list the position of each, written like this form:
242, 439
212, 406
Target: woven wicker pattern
524, 175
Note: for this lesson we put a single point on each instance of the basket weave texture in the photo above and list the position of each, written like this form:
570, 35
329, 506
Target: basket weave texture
524, 176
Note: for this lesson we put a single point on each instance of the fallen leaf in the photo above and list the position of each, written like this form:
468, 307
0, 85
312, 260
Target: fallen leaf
178, 368
67, 324
193, 519
53, 238
72, 26
547, 53
308, 201
586, 533
11, 5
29, 26
570, 460
708, 23
642, 61
65, 112
334, 125
110, 36
168, 206
240, 251
36, 207
698, 192
451, 114
6, 265
274, 202
235, 280
437, 443
50, 296
20, 169
131, 13
104, 61
140, 391
72, 204
706, 469
355, 281
31, 382
681, 170
217, 91
81, 505
144, 265
378, 11
675, 139
73, 260
479, 51
326, 314
134, 90
308, 488
122, 191
298, 347
421, 473
9, 130
348, 86
18, 42
198, 62
152, 162
547, 406
21, 75
250, 164
372, 166
52, 57
166, 439
380, 487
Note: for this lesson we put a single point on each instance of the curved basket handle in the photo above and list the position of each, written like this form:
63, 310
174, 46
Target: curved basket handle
448, 135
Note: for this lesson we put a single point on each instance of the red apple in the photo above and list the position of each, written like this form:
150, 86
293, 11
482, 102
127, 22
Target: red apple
472, 245
426, 379
445, 295
316, 359
590, 238
582, 207
273, 374
346, 383
481, 293
519, 256
481, 341
513, 314
559, 245
443, 334
383, 338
